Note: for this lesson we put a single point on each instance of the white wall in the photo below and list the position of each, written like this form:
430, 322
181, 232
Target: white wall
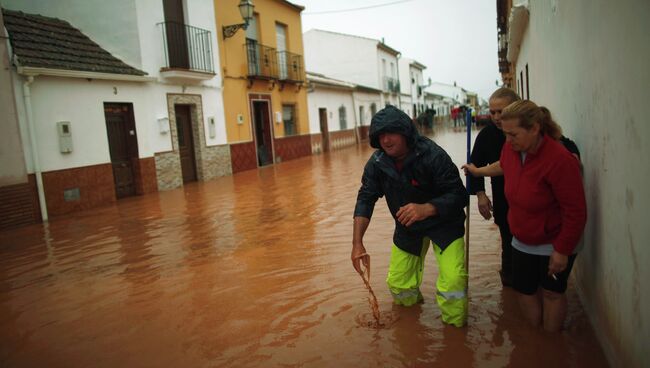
81, 102
331, 99
588, 63
343, 57
12, 159
128, 29
448, 90
366, 99
405, 75
111, 24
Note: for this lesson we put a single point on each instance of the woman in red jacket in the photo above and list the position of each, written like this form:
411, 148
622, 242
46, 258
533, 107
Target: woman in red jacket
548, 212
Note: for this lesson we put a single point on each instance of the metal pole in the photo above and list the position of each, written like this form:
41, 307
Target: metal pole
468, 122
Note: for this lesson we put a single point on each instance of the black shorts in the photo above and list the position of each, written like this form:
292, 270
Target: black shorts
531, 272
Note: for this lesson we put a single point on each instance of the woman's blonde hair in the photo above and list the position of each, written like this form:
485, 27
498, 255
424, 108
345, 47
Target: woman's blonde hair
528, 113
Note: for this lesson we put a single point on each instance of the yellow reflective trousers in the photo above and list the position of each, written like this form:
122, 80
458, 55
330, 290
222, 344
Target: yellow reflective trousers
405, 277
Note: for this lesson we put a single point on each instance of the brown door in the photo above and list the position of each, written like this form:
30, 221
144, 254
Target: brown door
263, 137
322, 117
176, 34
185, 142
123, 146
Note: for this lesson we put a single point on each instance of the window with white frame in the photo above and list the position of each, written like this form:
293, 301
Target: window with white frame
342, 118
289, 120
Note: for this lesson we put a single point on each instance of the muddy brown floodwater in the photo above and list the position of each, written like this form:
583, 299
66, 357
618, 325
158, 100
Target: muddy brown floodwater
253, 270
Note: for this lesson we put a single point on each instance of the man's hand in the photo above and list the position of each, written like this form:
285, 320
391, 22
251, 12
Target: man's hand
557, 263
469, 169
484, 205
359, 256
413, 212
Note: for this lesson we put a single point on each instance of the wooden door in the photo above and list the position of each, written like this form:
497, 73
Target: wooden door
123, 146
325, 135
263, 136
176, 34
185, 138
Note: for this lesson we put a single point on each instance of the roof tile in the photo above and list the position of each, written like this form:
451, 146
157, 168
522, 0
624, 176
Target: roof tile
46, 42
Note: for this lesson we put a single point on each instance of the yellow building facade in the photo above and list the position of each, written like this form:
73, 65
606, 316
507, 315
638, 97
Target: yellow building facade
263, 73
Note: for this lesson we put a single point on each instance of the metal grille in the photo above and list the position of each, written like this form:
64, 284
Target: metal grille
187, 47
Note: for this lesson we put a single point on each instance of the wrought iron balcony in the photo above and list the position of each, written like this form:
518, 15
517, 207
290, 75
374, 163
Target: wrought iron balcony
187, 47
290, 67
262, 60
391, 85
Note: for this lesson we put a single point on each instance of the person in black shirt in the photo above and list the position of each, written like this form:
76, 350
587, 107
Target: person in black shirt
487, 150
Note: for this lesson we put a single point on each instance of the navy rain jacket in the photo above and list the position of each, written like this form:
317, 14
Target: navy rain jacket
427, 175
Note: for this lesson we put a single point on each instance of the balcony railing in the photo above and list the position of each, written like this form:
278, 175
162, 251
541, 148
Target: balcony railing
290, 66
262, 60
391, 84
187, 47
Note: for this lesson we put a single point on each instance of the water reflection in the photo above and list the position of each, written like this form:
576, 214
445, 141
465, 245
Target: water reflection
252, 270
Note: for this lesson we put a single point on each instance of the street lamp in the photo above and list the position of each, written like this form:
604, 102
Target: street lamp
246, 11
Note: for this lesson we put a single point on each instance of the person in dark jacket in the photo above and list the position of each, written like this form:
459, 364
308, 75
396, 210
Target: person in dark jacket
426, 197
487, 150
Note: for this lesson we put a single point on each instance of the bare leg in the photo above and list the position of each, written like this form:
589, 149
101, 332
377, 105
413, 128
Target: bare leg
555, 309
531, 307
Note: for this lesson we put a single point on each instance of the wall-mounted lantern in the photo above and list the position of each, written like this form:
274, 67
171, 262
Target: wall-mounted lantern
246, 10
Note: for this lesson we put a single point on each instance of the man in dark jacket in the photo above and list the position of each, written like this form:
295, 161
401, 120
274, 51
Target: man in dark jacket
426, 197
487, 150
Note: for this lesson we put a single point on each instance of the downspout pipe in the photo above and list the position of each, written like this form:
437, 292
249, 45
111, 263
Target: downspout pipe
27, 98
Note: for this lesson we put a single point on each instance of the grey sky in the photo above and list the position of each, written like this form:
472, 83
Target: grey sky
455, 39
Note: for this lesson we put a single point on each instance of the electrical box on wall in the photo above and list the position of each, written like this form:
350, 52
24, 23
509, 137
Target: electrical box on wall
212, 128
278, 117
163, 125
65, 136
240, 119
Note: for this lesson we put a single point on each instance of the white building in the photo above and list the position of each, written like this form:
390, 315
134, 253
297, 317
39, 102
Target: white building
587, 61
458, 94
144, 115
340, 112
359, 60
411, 86
331, 108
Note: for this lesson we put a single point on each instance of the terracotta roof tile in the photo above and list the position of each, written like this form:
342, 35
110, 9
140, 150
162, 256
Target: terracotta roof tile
46, 42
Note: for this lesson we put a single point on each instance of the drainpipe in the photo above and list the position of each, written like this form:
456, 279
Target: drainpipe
34, 148
357, 122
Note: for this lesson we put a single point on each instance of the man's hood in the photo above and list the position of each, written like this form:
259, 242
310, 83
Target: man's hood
392, 120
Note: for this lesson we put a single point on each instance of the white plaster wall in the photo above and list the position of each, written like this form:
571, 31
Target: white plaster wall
448, 90
390, 58
588, 63
405, 75
331, 99
406, 105
366, 99
343, 57
82, 103
12, 161
111, 24
198, 13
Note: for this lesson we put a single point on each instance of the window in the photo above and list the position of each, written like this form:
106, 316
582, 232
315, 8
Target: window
289, 120
281, 44
373, 109
342, 118
361, 115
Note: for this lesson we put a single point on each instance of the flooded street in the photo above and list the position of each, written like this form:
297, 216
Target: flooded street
253, 270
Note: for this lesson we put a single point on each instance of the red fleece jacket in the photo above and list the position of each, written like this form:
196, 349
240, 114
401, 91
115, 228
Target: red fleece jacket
546, 196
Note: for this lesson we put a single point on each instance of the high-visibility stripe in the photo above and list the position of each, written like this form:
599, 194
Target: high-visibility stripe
452, 294
412, 293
